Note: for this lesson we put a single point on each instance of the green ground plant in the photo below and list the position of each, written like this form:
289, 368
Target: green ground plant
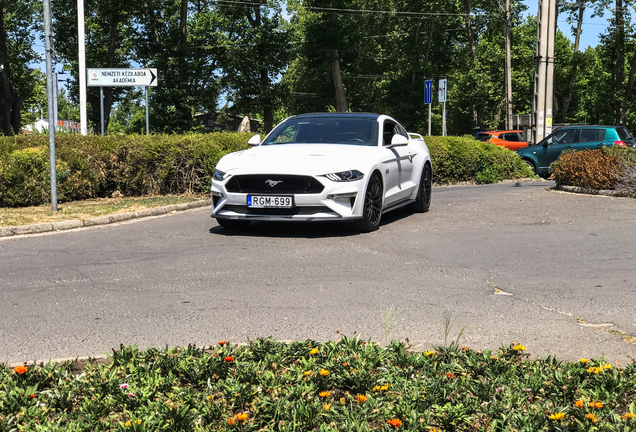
348, 385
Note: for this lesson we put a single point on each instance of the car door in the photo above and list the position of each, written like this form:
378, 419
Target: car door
397, 166
590, 138
551, 147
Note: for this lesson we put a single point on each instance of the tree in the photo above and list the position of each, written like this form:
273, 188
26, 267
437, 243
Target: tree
19, 21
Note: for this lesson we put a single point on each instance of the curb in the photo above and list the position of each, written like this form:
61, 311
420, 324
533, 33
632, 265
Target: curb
101, 220
581, 190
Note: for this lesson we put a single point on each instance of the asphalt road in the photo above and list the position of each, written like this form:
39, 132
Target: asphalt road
567, 262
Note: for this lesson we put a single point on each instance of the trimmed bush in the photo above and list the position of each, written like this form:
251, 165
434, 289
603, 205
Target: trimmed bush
594, 169
95, 166
458, 159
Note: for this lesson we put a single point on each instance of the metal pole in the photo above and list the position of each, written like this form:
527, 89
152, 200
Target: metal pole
444, 119
429, 119
147, 117
101, 107
50, 100
56, 92
508, 68
82, 66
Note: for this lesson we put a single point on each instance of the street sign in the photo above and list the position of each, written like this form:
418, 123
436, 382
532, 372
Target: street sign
121, 77
428, 91
442, 90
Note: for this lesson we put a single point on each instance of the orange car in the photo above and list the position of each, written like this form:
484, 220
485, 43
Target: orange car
511, 139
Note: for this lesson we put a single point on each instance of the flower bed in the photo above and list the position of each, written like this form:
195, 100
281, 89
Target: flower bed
345, 385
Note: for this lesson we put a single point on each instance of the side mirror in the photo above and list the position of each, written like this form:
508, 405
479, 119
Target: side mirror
255, 140
398, 140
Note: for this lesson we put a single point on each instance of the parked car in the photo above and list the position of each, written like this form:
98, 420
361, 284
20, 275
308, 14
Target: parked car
324, 167
512, 139
540, 156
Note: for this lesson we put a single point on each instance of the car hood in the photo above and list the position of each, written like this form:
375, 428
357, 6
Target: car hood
299, 159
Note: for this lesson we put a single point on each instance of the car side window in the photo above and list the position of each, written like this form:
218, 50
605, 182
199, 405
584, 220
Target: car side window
591, 135
402, 131
511, 137
566, 136
387, 132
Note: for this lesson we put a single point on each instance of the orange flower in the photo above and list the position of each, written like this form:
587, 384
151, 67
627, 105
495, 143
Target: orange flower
242, 416
598, 404
324, 394
395, 422
230, 422
361, 398
629, 415
324, 372
229, 359
450, 375
221, 343
31, 396
20, 370
326, 407
591, 417
578, 404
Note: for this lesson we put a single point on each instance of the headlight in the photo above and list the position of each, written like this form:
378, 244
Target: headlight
347, 176
220, 175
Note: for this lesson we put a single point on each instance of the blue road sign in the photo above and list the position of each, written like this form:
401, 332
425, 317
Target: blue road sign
428, 91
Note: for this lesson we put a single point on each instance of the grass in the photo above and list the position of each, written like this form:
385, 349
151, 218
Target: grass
349, 385
84, 210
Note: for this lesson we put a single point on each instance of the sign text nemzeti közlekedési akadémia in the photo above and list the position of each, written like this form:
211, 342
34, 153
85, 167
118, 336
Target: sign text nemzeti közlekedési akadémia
125, 76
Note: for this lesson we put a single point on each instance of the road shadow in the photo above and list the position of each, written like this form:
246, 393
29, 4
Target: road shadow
307, 230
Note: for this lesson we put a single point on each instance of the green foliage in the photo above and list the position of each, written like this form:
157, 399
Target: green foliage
594, 169
345, 385
464, 159
95, 166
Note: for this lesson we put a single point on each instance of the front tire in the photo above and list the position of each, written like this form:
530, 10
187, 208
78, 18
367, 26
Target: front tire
233, 223
423, 199
372, 209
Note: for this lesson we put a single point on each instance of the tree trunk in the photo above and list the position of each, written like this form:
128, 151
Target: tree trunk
628, 90
567, 97
416, 49
342, 104
10, 101
620, 62
469, 31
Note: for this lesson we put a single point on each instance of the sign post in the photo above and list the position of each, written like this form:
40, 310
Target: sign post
428, 99
441, 94
121, 77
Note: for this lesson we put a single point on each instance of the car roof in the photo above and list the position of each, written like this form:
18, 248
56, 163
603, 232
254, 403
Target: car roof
502, 131
334, 114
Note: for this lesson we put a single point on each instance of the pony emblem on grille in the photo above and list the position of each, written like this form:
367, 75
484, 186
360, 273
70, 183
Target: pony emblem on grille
273, 183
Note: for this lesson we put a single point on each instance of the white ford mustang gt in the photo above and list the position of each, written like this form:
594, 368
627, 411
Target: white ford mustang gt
320, 167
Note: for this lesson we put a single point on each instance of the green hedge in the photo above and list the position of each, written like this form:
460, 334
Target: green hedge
95, 166
464, 159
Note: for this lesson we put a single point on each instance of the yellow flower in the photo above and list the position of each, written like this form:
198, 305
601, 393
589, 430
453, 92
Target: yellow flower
519, 348
595, 370
326, 407
342, 400
324, 394
376, 388
307, 373
385, 387
429, 353
314, 351
584, 360
127, 424
494, 358
361, 398
324, 372
557, 416
607, 366
578, 404
138, 421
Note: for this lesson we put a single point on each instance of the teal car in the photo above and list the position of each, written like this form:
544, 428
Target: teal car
540, 156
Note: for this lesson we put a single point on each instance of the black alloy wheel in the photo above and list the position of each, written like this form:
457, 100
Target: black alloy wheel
372, 210
423, 200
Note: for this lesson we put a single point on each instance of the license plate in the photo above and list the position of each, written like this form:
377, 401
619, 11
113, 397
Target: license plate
258, 201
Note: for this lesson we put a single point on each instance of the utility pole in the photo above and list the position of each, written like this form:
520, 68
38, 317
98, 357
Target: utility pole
508, 67
544, 71
51, 100
82, 66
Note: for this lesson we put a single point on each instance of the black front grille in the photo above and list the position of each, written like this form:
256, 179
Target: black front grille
274, 184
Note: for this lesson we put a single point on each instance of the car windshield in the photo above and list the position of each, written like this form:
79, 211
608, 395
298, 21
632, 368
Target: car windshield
483, 136
326, 130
